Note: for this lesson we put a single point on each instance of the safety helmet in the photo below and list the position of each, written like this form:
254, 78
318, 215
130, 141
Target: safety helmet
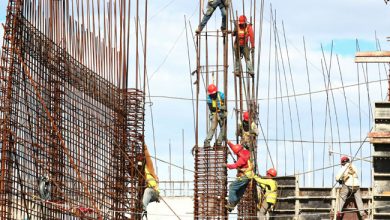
344, 159
242, 19
271, 172
245, 116
212, 89
235, 147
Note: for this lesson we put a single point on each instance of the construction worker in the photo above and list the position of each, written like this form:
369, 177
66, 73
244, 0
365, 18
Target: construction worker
267, 193
211, 6
348, 178
217, 107
244, 173
151, 193
245, 131
244, 33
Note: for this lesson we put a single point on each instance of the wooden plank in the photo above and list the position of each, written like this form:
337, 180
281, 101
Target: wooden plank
372, 57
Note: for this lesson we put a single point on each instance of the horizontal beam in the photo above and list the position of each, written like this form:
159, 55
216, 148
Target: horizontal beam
372, 57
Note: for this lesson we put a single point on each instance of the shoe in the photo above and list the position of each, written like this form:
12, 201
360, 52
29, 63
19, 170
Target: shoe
198, 30
237, 73
251, 73
144, 214
229, 207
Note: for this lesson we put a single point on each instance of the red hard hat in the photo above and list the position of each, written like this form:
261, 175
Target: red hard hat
344, 159
242, 19
271, 172
245, 116
235, 147
212, 89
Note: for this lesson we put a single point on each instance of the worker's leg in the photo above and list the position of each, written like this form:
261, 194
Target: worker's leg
211, 131
222, 126
359, 202
263, 210
148, 194
235, 190
223, 14
210, 10
248, 61
344, 191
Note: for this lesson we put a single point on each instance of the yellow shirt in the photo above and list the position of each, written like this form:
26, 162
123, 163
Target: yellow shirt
150, 180
271, 188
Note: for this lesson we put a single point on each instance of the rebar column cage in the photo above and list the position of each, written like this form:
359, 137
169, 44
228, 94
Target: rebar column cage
210, 183
71, 142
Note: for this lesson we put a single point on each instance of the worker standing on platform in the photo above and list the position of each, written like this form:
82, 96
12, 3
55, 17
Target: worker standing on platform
267, 193
246, 132
348, 178
211, 6
217, 107
244, 173
244, 33
151, 193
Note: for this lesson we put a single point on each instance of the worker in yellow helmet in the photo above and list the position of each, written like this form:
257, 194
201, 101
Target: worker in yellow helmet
268, 193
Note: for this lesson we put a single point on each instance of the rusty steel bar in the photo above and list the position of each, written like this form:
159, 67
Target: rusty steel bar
67, 120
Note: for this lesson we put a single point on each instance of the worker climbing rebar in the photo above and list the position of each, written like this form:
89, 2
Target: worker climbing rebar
151, 192
247, 132
243, 33
244, 173
348, 178
211, 6
217, 107
267, 192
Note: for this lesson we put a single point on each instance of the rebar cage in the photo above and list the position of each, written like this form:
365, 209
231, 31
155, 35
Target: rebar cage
71, 142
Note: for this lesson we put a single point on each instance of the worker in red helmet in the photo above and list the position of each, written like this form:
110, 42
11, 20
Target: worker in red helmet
247, 132
347, 176
217, 115
211, 6
244, 173
267, 191
244, 33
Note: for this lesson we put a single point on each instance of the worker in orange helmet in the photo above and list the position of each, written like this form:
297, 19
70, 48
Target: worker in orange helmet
244, 33
217, 115
348, 178
244, 173
245, 131
267, 192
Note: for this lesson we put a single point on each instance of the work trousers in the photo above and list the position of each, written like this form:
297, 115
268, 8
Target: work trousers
243, 51
355, 191
237, 189
265, 206
222, 125
212, 5
150, 195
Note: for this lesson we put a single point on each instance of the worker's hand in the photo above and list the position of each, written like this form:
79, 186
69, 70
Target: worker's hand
253, 50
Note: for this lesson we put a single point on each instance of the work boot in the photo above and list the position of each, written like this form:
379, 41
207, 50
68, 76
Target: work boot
144, 214
230, 207
198, 30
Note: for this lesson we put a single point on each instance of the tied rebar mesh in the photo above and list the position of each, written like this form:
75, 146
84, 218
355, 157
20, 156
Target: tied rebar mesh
210, 183
66, 128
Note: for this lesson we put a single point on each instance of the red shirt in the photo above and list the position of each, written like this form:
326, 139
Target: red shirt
242, 160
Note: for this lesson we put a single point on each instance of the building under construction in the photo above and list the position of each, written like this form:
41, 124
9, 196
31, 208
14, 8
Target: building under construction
72, 115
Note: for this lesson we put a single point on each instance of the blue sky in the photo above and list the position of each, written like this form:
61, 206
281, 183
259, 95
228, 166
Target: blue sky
321, 22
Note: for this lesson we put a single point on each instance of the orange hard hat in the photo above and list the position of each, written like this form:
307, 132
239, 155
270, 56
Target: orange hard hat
212, 89
272, 172
245, 116
344, 159
242, 19
235, 147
